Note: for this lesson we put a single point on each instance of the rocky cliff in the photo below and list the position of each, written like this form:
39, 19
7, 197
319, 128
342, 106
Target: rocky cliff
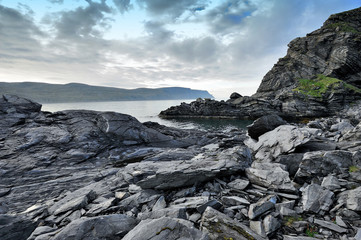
320, 74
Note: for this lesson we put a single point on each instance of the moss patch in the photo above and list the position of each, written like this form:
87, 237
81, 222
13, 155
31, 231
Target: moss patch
288, 221
319, 86
343, 26
353, 169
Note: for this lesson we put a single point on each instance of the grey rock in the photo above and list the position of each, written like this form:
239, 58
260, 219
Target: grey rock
284, 139
262, 206
102, 207
322, 164
316, 199
284, 211
331, 182
102, 227
190, 202
291, 161
168, 175
238, 184
234, 201
15, 227
165, 228
270, 175
195, 217
212, 203
220, 226
358, 234
73, 201
159, 204
354, 199
235, 95
271, 224
258, 227
9, 103
172, 212
40, 231
264, 124
330, 225
340, 222
287, 204
287, 237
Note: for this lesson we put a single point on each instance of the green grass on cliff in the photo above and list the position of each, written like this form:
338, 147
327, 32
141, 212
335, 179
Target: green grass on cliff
319, 86
343, 26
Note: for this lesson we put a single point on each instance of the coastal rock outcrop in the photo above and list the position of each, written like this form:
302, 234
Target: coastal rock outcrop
320, 74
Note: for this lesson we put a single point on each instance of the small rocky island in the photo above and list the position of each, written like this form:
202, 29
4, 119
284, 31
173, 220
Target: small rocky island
105, 175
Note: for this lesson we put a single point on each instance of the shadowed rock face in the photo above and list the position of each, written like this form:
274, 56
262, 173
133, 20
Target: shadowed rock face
333, 50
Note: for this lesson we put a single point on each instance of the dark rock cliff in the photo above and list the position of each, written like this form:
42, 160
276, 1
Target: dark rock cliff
320, 74
334, 50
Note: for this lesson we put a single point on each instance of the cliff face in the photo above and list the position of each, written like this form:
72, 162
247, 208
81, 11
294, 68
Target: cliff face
334, 50
319, 76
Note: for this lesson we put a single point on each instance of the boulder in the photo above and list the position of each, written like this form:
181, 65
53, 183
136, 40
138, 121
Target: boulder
262, 206
13, 103
284, 139
264, 124
102, 227
316, 199
181, 173
238, 184
354, 199
322, 164
15, 227
270, 175
165, 228
220, 226
235, 96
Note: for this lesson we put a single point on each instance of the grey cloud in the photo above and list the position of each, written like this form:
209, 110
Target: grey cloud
18, 34
157, 31
83, 22
123, 5
204, 50
56, 1
229, 15
173, 9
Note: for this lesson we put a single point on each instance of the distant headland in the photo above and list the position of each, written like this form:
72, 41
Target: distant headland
76, 92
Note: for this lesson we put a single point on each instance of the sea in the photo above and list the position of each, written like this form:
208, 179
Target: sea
148, 111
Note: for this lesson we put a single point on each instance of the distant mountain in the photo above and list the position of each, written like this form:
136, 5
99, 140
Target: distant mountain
75, 92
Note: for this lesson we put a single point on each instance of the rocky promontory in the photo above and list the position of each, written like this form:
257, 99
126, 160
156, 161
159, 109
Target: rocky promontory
320, 74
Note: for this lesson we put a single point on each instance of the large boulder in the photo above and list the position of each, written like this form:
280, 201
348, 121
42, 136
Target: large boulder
354, 199
317, 199
270, 175
181, 173
322, 163
165, 228
103, 227
13, 103
264, 124
282, 140
15, 227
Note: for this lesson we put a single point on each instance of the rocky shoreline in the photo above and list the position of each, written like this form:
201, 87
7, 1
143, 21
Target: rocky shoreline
103, 175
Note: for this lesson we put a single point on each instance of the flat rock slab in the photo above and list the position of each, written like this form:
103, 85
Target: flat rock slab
165, 228
174, 174
102, 227
330, 225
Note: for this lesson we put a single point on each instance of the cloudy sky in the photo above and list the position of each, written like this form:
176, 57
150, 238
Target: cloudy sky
218, 45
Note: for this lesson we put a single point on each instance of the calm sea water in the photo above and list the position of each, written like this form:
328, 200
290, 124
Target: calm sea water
148, 111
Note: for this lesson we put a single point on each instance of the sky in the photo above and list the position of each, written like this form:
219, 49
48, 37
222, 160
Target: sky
222, 46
